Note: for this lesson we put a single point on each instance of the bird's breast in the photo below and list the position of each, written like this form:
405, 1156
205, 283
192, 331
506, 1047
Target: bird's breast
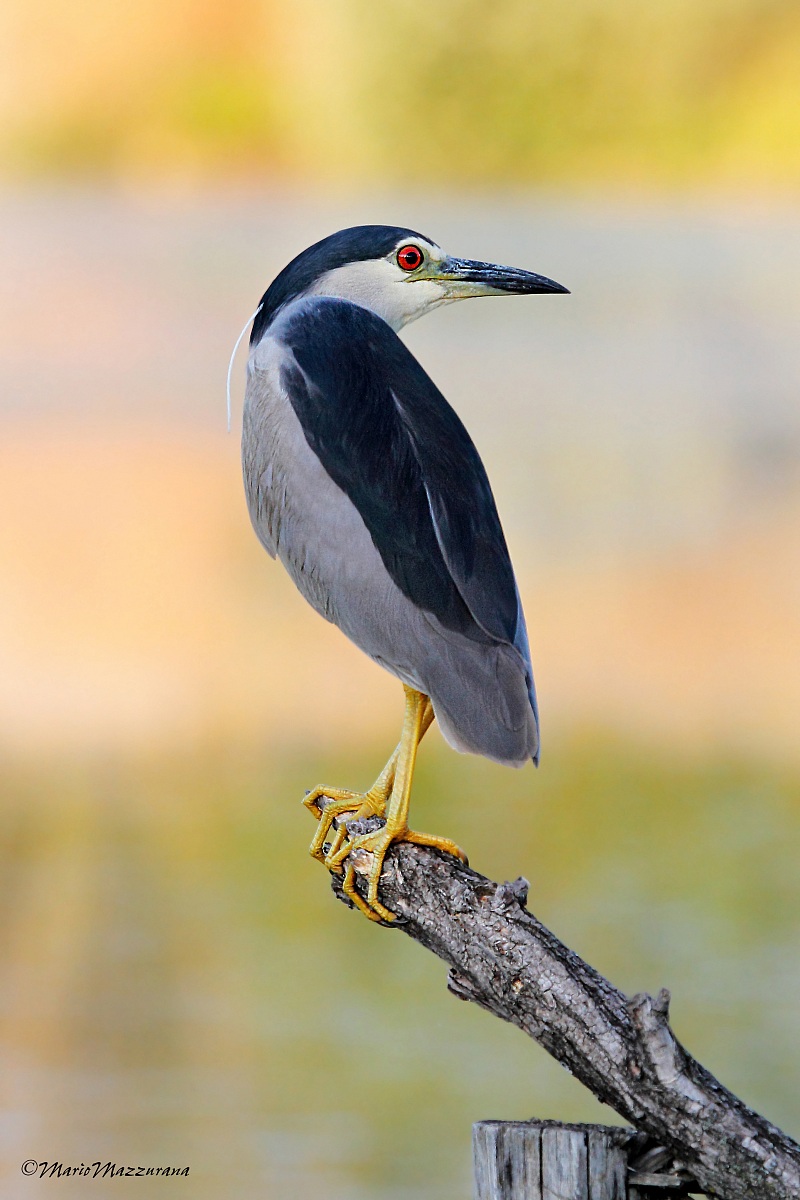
297, 511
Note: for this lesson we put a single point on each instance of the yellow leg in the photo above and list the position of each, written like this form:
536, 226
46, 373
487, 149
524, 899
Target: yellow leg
329, 803
367, 851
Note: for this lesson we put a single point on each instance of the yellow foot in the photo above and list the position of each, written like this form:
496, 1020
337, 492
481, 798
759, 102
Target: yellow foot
365, 854
328, 804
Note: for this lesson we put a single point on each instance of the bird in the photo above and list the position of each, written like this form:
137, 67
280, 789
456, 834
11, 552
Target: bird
364, 482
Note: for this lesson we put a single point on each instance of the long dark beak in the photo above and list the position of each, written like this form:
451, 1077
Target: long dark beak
468, 278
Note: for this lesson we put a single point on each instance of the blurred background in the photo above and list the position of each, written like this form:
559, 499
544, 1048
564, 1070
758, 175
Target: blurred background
176, 985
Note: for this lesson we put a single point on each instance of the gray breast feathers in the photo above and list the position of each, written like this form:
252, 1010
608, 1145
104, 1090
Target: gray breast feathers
297, 511
265, 488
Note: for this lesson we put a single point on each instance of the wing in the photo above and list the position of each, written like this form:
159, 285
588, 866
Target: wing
390, 440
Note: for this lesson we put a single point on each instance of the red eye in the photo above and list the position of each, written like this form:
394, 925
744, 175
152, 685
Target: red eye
409, 258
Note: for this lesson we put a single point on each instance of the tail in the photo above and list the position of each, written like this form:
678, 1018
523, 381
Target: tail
484, 702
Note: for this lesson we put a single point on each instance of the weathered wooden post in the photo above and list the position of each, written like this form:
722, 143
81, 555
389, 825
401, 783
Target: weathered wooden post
547, 1160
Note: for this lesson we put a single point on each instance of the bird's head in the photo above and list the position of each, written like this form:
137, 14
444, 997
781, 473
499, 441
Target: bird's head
395, 272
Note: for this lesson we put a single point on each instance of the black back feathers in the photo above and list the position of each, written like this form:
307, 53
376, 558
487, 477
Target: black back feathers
392, 443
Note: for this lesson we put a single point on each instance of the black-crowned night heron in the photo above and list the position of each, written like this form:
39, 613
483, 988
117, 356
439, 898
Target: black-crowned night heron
362, 479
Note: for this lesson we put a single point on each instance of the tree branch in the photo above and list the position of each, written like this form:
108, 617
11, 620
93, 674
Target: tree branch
624, 1051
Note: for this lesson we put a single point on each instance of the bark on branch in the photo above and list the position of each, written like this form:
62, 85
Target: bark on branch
624, 1051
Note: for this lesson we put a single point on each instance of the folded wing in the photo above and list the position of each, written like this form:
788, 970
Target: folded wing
387, 436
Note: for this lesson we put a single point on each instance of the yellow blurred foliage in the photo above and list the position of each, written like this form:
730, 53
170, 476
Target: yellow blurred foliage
533, 91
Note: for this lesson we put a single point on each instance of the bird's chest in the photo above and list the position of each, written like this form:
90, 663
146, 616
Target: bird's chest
297, 511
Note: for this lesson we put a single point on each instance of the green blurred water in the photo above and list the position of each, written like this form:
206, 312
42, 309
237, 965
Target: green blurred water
179, 986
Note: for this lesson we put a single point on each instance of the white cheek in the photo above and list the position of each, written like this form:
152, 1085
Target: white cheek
381, 287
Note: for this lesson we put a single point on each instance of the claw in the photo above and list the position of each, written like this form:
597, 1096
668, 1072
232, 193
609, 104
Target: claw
349, 889
326, 804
